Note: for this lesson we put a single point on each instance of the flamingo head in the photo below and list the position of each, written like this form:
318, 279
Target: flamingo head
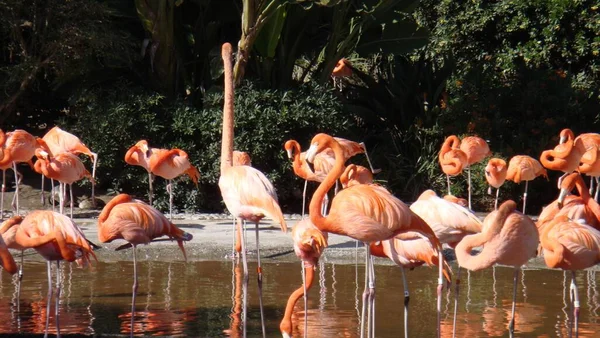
318, 144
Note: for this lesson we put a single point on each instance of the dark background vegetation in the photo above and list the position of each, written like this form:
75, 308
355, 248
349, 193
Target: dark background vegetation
514, 72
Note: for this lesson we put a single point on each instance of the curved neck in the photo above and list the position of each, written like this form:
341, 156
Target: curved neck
286, 322
314, 209
122, 198
463, 253
553, 251
582, 189
296, 155
227, 137
2, 138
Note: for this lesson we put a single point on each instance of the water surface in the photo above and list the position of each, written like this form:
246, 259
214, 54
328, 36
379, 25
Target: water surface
199, 299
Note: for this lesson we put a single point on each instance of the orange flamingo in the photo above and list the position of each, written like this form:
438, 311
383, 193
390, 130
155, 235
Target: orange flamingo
590, 141
508, 237
495, 174
451, 158
68, 243
66, 168
309, 243
323, 164
355, 174
170, 164
246, 191
60, 141
365, 212
589, 164
139, 154
239, 158
524, 168
570, 245
564, 157
18, 146
476, 150
137, 223
409, 253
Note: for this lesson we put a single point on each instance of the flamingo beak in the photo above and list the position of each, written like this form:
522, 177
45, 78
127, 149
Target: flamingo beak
289, 153
562, 140
561, 197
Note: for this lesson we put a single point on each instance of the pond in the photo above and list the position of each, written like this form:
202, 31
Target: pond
199, 299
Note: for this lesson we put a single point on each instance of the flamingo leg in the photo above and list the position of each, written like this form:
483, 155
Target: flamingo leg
497, 195
325, 205
597, 188
304, 198
365, 293
170, 190
511, 326
49, 298
71, 197
61, 198
16, 186
150, 191
372, 297
95, 159
43, 194
3, 190
305, 296
448, 179
576, 305
134, 288
591, 185
245, 282
457, 293
52, 193
57, 301
525, 196
259, 270
406, 301
469, 176
20, 278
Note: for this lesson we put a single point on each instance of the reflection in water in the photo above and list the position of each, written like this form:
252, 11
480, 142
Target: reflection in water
205, 299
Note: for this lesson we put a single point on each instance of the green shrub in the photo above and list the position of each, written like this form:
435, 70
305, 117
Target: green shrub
112, 120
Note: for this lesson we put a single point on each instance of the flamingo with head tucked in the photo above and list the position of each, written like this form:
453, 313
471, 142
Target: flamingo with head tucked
495, 174
476, 150
451, 158
139, 154
564, 157
524, 168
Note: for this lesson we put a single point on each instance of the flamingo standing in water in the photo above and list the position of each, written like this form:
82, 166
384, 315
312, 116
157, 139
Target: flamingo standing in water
239, 158
570, 245
450, 222
55, 237
309, 243
524, 168
137, 223
508, 237
476, 150
246, 191
451, 158
18, 146
365, 212
170, 164
139, 154
495, 174
59, 141
66, 168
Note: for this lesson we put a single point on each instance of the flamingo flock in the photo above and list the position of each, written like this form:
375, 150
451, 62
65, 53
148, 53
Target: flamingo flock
347, 202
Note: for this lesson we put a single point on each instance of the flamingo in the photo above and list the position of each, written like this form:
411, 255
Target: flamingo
60, 141
65, 168
524, 168
589, 164
18, 146
137, 223
409, 253
62, 240
342, 69
476, 150
590, 141
170, 164
239, 158
582, 208
139, 154
355, 174
451, 158
508, 237
246, 191
450, 222
564, 157
309, 243
365, 212
495, 174
570, 245
323, 164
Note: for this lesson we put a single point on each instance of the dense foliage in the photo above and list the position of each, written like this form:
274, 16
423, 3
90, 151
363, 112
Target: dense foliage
514, 72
